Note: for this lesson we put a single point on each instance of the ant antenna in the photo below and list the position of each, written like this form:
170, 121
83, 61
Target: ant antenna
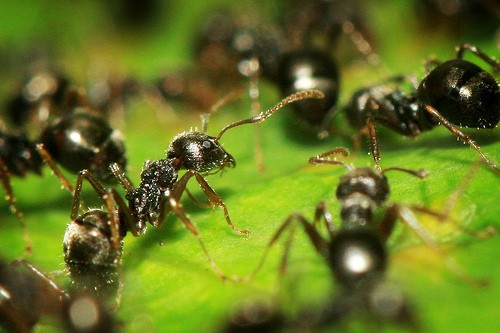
324, 158
420, 173
220, 103
264, 115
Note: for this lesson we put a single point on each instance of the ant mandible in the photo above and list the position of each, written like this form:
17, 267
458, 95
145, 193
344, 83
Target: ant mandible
158, 194
455, 93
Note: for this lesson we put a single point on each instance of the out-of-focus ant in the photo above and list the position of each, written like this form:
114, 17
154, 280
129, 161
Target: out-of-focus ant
78, 139
458, 18
356, 253
454, 93
28, 295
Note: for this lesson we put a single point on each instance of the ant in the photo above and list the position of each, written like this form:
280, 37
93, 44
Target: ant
79, 139
160, 188
40, 95
28, 295
356, 253
454, 93
93, 242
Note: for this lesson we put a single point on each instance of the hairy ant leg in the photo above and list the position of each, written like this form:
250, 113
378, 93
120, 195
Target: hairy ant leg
5, 179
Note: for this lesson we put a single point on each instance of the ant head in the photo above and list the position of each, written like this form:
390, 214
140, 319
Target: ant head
199, 152
356, 256
366, 181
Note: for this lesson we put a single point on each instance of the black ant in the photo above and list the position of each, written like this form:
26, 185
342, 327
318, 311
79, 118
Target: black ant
454, 93
28, 295
80, 139
41, 95
161, 189
356, 253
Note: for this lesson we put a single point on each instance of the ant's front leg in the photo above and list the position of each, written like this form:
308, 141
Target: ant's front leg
170, 203
213, 197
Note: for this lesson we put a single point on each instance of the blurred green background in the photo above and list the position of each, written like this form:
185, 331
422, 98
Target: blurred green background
168, 283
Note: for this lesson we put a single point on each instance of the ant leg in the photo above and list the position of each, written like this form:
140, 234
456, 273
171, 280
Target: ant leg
469, 47
216, 200
407, 216
213, 197
173, 205
123, 179
264, 115
372, 133
323, 212
196, 201
105, 196
11, 198
53, 166
450, 204
319, 243
462, 136
54, 296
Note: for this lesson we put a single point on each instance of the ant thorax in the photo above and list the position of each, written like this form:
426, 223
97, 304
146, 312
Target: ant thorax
360, 192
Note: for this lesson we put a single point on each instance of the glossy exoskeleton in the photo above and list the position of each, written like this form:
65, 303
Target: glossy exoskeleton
26, 295
356, 253
161, 188
40, 95
79, 139
92, 244
454, 93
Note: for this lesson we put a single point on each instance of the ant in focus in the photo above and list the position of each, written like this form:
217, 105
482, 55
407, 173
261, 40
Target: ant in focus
93, 241
454, 93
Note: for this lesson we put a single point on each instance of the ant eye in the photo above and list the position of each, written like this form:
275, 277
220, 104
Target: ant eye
206, 144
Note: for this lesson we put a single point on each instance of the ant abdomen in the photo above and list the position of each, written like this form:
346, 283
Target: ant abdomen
310, 69
464, 94
90, 255
357, 256
83, 140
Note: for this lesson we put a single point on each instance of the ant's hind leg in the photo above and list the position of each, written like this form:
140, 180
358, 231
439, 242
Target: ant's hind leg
462, 136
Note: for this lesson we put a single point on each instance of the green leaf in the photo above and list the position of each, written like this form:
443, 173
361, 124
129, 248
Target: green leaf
169, 285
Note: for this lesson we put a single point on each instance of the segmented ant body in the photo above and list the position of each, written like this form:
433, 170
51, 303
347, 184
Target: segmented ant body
39, 96
356, 253
78, 139
92, 243
454, 93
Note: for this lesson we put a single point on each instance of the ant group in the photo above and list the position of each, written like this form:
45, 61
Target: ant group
73, 135
295, 55
93, 241
454, 93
